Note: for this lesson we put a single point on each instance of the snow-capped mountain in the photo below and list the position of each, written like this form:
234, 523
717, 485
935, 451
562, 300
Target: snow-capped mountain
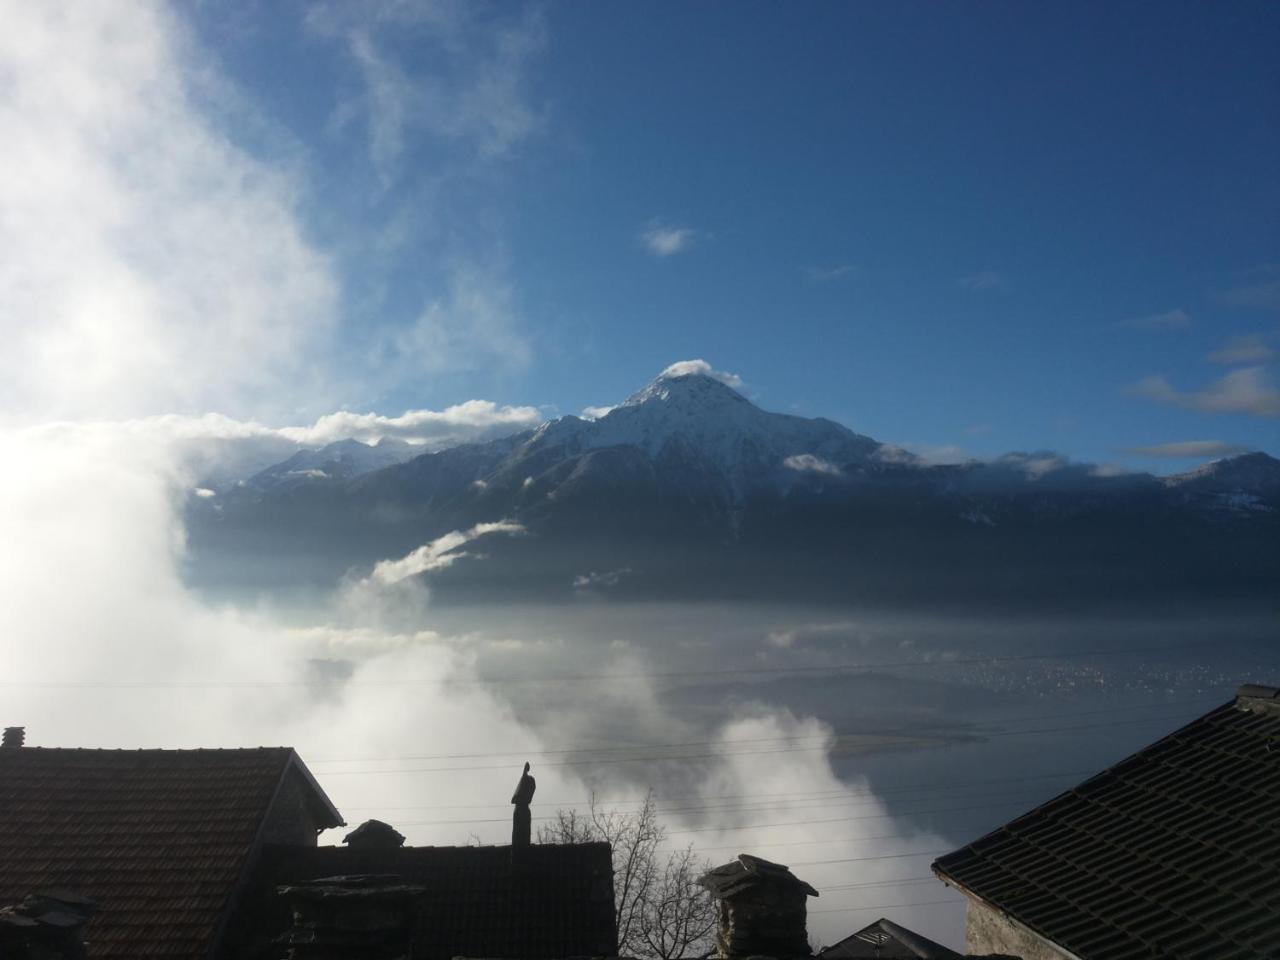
340, 460
695, 491
695, 422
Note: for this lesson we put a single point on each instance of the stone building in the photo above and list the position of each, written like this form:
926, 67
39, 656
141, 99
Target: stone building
1171, 854
164, 842
762, 908
213, 855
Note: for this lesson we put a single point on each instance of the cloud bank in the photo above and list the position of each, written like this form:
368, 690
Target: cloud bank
151, 264
1191, 448
1247, 349
1248, 390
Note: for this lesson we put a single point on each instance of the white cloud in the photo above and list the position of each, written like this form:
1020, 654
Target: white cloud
438, 554
91, 600
595, 413
149, 263
471, 91
984, 280
1109, 470
1247, 349
460, 423
1248, 390
1169, 320
922, 454
686, 368
1262, 293
214, 448
823, 274
664, 240
808, 463
593, 580
476, 325
1191, 448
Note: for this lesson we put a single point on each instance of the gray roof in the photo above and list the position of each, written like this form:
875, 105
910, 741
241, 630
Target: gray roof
1174, 852
889, 941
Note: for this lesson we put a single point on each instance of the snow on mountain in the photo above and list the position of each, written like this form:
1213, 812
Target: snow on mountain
340, 460
1245, 485
692, 490
683, 415
1254, 471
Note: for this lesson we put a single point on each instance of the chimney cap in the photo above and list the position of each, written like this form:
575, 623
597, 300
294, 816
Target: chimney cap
374, 834
14, 737
748, 872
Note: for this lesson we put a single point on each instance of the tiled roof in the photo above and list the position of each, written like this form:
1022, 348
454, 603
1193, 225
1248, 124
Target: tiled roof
557, 901
1173, 853
887, 940
159, 839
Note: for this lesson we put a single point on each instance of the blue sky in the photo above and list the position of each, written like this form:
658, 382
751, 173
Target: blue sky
987, 226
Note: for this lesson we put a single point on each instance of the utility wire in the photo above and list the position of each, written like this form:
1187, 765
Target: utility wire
888, 906
884, 856
727, 753
702, 743
778, 799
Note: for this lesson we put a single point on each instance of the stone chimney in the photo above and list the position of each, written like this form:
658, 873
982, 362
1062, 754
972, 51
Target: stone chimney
522, 820
762, 909
14, 737
376, 836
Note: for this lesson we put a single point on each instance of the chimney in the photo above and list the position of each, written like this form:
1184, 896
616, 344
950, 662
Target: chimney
762, 908
522, 820
14, 737
376, 836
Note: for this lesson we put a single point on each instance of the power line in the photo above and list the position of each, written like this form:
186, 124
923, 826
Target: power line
878, 816
913, 788
419, 823
701, 743
905, 882
885, 856
888, 906
674, 758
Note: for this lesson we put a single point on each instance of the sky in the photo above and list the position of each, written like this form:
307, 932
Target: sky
968, 229
991, 227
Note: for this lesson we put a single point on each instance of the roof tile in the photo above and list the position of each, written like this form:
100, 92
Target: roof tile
1173, 852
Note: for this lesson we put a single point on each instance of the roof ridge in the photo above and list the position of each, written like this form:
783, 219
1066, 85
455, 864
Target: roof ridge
26, 749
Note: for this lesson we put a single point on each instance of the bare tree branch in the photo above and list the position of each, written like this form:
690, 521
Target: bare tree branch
661, 911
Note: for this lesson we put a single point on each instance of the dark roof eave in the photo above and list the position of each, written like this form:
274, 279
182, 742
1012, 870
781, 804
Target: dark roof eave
331, 817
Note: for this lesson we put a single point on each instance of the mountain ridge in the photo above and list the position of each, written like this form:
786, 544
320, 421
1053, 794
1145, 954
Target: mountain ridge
689, 485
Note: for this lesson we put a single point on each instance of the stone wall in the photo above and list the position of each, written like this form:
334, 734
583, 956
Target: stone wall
988, 931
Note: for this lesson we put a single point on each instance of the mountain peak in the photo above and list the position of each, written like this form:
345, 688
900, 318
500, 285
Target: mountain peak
691, 381
1257, 470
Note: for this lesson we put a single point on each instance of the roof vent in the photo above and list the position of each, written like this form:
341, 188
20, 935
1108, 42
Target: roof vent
14, 736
